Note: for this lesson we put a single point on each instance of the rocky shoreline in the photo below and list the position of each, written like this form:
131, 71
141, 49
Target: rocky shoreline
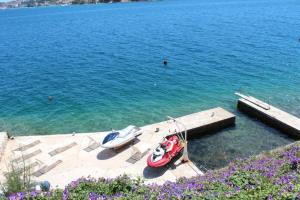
39, 3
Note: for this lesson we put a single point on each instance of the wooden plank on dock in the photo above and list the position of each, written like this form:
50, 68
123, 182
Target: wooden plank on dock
92, 147
273, 116
62, 149
27, 167
28, 146
137, 156
27, 156
46, 168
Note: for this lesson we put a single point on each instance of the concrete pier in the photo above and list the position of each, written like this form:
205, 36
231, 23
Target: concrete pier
269, 114
66, 157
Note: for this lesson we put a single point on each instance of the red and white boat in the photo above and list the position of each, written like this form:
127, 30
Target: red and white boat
165, 151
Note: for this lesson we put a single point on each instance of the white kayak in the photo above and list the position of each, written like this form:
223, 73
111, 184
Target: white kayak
119, 138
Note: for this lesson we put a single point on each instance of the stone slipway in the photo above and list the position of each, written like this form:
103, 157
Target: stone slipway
66, 157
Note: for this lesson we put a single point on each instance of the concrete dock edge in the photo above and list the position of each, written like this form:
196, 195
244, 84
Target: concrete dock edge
273, 117
212, 127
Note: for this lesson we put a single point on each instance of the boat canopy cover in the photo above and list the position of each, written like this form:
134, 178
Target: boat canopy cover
110, 137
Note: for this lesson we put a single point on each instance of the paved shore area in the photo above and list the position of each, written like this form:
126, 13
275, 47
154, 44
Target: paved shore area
66, 157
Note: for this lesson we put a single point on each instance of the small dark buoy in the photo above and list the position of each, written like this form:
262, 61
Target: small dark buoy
50, 98
165, 62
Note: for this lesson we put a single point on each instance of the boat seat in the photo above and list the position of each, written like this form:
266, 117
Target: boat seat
170, 145
126, 131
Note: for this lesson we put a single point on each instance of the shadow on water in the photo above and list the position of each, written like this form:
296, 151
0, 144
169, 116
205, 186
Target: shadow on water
248, 137
106, 154
273, 127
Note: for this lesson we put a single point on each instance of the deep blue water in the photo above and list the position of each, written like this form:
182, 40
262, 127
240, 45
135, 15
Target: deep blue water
103, 66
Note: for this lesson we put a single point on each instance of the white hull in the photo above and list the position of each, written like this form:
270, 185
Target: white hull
119, 138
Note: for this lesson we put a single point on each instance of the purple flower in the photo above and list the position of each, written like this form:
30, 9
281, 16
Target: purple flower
227, 194
237, 189
33, 193
65, 193
12, 197
74, 184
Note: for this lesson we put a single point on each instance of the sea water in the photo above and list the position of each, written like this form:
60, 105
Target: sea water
103, 67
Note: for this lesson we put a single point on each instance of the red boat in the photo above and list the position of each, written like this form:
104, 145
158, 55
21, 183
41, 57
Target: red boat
164, 153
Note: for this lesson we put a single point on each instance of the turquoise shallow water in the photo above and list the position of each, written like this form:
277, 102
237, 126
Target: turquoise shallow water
103, 66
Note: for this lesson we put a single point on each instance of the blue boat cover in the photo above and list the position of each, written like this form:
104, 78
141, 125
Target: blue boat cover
110, 137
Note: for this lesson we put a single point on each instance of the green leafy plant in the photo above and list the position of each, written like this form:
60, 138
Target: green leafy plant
18, 178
